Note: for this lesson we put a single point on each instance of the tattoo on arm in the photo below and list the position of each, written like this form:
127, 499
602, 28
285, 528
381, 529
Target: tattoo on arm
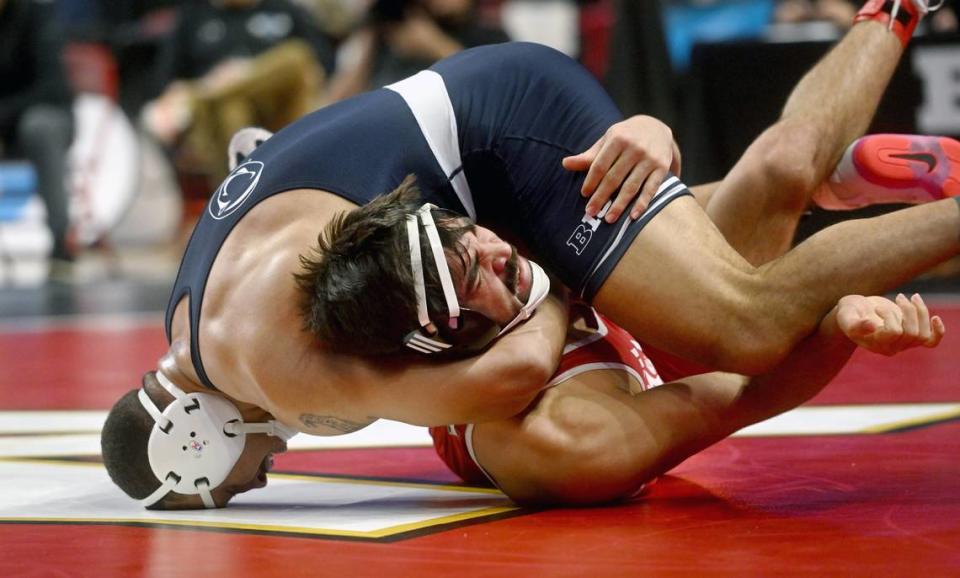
342, 425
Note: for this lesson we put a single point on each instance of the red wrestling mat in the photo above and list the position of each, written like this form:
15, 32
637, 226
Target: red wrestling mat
857, 505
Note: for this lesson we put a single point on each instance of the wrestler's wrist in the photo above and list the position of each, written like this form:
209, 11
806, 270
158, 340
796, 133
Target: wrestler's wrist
829, 327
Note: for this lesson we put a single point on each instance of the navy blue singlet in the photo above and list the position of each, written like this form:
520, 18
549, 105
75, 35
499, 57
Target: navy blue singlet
483, 131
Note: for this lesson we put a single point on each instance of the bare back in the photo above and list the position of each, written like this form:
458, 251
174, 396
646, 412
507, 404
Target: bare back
255, 350
251, 336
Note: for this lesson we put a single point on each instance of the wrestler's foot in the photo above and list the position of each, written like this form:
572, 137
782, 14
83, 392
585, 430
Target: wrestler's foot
893, 168
900, 16
243, 142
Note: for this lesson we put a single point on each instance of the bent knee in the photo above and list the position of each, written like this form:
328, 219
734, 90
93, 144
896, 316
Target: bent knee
789, 161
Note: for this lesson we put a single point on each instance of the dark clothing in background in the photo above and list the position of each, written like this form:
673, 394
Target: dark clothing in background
36, 120
389, 67
640, 77
31, 65
207, 35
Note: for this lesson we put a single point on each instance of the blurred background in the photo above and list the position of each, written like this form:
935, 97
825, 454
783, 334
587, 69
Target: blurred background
115, 114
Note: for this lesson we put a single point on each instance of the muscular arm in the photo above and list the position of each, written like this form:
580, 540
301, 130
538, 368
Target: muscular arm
495, 385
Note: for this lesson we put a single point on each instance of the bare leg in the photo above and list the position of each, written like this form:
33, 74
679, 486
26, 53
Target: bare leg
710, 305
732, 316
759, 203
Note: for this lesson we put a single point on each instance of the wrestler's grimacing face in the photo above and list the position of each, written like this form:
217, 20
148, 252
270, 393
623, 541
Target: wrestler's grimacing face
251, 470
494, 280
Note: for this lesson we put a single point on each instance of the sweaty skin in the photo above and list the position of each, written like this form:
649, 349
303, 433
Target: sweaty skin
589, 440
255, 351
496, 280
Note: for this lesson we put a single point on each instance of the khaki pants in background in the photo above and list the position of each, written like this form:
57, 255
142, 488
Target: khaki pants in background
281, 85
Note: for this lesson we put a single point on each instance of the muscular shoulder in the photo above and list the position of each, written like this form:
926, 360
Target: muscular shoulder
262, 253
250, 319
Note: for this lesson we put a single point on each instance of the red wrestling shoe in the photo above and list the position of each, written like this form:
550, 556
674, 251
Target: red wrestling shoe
900, 16
893, 168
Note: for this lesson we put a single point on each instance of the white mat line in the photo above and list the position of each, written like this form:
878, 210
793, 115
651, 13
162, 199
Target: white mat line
16, 441
298, 504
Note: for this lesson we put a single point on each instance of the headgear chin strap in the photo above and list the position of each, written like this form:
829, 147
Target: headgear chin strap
197, 441
465, 331
539, 288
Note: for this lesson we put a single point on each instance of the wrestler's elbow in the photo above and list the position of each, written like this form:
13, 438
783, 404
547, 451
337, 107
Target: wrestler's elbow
526, 377
517, 382
536, 363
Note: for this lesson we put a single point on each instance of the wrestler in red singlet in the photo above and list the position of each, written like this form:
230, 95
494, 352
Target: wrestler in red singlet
607, 347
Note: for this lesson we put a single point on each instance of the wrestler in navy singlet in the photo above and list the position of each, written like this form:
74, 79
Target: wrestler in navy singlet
484, 132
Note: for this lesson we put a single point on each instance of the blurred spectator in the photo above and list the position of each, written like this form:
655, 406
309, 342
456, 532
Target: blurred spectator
640, 74
230, 64
945, 21
337, 18
36, 121
136, 31
403, 37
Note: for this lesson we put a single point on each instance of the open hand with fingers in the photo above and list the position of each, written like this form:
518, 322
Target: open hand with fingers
888, 327
631, 158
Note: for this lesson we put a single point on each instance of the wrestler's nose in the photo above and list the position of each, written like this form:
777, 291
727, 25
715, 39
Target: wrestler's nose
499, 263
498, 253
494, 251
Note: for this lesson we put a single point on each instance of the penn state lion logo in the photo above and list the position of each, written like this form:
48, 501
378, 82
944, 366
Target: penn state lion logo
235, 189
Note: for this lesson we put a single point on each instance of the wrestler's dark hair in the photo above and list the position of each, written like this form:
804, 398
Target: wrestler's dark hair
123, 444
357, 287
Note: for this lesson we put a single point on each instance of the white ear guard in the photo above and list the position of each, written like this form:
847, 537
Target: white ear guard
465, 331
197, 441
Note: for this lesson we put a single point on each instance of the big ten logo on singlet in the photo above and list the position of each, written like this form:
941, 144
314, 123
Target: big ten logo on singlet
235, 189
648, 373
584, 232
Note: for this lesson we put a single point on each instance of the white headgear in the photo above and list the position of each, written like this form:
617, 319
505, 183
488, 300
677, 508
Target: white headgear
463, 330
196, 441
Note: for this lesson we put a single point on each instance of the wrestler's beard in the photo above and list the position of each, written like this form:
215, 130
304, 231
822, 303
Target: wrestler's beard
511, 270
